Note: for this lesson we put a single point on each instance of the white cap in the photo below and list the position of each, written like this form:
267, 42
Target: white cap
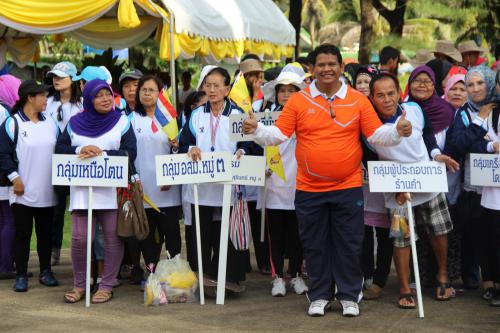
292, 73
207, 69
109, 78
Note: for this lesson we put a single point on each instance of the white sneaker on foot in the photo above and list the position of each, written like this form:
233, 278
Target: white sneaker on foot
299, 286
350, 308
279, 288
318, 308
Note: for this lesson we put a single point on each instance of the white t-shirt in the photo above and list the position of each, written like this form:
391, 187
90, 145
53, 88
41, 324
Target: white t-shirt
35, 146
68, 111
281, 195
149, 145
4, 190
103, 197
491, 195
409, 150
199, 125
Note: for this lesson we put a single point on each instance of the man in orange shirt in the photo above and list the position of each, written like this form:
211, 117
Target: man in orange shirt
328, 119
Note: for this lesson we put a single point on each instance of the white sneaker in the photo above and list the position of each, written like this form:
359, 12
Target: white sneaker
350, 308
318, 308
279, 287
299, 286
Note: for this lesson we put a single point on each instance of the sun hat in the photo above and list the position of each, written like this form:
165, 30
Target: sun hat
204, 72
251, 65
90, 73
469, 46
422, 57
448, 49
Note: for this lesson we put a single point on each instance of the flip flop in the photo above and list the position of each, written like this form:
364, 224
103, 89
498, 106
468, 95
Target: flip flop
441, 291
409, 298
74, 296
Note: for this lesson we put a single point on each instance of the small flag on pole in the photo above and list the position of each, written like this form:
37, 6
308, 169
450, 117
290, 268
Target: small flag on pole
239, 93
274, 161
166, 115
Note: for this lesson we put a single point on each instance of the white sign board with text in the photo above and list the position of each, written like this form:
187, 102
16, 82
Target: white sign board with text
236, 124
101, 171
422, 177
249, 170
485, 170
177, 169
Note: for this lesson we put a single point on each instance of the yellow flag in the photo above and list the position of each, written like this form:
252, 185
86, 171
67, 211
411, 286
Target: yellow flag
239, 94
274, 162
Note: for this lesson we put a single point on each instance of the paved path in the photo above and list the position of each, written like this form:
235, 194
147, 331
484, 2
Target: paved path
42, 309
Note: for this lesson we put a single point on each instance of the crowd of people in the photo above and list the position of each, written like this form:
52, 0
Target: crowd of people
322, 217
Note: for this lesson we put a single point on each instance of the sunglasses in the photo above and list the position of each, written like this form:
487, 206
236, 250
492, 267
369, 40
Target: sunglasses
59, 113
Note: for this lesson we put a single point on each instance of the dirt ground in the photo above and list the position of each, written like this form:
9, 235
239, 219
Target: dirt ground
42, 309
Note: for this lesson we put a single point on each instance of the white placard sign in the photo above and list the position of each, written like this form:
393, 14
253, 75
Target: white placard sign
101, 171
236, 124
177, 169
485, 170
423, 177
249, 170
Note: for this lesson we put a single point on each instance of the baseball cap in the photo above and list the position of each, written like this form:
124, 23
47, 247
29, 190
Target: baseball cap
90, 73
130, 74
63, 69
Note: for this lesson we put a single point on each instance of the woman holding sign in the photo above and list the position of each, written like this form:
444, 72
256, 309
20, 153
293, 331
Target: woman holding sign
490, 202
279, 202
98, 130
27, 141
152, 141
208, 131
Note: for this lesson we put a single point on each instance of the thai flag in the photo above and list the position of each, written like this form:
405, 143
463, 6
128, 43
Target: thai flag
166, 115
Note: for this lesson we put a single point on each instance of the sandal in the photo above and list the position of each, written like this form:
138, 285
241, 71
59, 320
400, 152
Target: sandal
74, 296
441, 291
409, 299
102, 296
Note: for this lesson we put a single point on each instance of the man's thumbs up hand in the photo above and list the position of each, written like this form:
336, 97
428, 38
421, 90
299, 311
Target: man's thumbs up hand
250, 124
404, 125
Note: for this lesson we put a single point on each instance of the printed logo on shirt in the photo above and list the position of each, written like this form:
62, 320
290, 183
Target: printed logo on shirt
139, 130
202, 129
24, 134
311, 110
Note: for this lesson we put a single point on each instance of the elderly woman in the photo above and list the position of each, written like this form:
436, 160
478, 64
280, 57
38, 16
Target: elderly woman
467, 134
454, 92
98, 130
32, 195
9, 86
208, 131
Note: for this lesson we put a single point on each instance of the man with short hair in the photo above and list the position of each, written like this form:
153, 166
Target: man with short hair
430, 209
389, 59
328, 118
186, 88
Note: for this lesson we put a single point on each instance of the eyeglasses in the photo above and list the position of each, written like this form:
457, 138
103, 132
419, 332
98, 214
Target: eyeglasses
423, 82
149, 91
60, 113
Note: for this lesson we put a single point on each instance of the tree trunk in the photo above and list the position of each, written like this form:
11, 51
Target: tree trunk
312, 32
395, 17
295, 18
367, 21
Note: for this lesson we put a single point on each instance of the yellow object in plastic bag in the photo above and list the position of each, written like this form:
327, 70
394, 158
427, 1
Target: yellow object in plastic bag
403, 225
182, 280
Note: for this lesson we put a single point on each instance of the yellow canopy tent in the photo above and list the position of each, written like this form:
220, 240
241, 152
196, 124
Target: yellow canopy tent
212, 29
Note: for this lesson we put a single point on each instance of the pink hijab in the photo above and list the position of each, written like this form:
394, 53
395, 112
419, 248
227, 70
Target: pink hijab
9, 85
451, 82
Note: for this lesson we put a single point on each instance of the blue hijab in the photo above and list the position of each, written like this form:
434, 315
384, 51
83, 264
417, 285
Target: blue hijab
91, 123
489, 77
